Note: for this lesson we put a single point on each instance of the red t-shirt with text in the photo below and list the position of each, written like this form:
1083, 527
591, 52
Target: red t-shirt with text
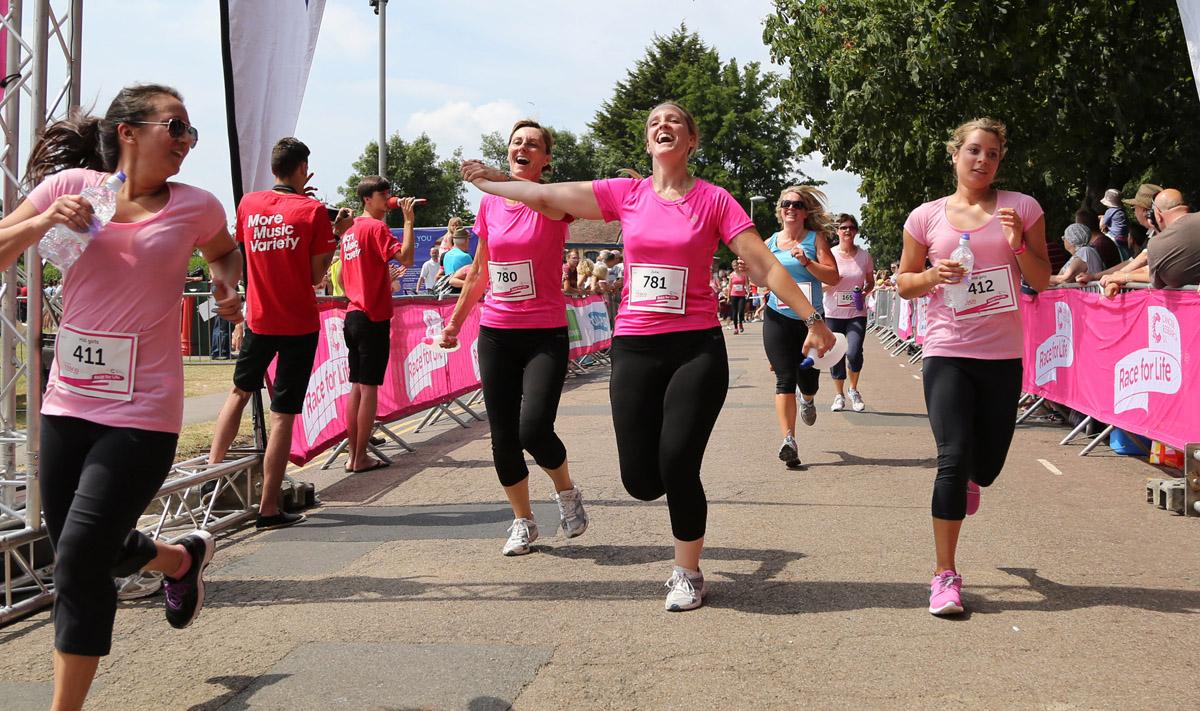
280, 233
366, 248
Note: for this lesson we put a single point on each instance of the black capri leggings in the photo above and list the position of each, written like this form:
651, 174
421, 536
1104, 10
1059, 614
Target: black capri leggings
972, 405
854, 330
783, 339
737, 308
522, 370
666, 392
96, 481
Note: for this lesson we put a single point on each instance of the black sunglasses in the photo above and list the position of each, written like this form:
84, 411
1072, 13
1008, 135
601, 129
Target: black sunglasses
175, 128
798, 204
847, 228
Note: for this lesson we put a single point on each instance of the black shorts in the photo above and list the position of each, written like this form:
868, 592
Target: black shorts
296, 355
369, 343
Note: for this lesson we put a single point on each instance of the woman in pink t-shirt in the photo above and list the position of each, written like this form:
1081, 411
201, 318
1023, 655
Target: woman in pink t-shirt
670, 370
972, 355
846, 309
523, 342
114, 402
738, 291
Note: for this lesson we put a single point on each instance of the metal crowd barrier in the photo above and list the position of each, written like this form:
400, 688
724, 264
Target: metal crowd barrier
884, 319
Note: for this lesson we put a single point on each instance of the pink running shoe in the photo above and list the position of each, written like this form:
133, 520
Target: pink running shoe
945, 593
972, 498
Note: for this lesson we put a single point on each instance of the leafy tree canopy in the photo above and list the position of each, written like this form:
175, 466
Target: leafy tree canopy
414, 170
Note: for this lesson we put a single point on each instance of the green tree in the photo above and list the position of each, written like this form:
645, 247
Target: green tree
574, 157
747, 144
414, 169
1095, 94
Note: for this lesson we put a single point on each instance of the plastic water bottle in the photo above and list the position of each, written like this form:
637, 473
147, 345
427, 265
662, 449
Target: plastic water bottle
955, 295
831, 357
63, 245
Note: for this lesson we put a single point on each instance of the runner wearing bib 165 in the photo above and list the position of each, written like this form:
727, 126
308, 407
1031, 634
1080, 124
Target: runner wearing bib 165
846, 309
670, 370
972, 355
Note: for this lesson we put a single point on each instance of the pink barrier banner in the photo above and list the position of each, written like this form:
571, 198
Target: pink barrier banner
1128, 361
419, 374
587, 325
905, 327
922, 319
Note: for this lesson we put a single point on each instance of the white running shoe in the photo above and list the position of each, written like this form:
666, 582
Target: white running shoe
139, 585
856, 400
571, 516
521, 534
789, 453
839, 403
684, 592
808, 412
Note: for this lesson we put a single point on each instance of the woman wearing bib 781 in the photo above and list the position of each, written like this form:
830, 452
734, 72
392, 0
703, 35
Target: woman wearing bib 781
523, 343
670, 370
972, 363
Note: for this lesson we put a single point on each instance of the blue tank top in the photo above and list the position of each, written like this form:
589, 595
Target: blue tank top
799, 273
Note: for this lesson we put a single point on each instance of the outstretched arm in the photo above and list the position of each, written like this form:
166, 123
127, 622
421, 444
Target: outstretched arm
576, 199
766, 269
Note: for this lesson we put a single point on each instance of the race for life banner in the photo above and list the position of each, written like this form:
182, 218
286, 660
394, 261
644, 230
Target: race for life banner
1189, 13
904, 329
587, 325
267, 49
1129, 361
419, 375
922, 319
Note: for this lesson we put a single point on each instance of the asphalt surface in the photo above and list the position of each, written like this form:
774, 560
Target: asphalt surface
394, 596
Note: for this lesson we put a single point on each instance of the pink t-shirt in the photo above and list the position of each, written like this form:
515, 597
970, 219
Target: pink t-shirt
854, 271
669, 248
992, 329
128, 283
524, 253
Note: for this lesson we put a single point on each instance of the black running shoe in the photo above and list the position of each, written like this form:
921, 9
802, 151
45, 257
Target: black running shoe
283, 519
185, 596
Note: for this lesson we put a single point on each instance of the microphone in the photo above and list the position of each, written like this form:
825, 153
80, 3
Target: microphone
394, 202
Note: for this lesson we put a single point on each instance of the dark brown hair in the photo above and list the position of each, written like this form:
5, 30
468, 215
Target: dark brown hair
370, 185
547, 137
287, 155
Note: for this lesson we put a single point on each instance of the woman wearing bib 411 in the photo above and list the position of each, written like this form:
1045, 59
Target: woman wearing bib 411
972, 363
670, 370
523, 343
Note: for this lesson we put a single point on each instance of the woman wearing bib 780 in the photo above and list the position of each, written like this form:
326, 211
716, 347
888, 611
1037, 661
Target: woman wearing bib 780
670, 370
972, 355
523, 343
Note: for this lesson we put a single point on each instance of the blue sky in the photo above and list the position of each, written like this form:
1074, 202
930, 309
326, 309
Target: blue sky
456, 69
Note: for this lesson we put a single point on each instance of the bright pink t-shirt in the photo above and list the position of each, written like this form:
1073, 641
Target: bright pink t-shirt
129, 282
854, 271
524, 250
991, 331
669, 248
737, 284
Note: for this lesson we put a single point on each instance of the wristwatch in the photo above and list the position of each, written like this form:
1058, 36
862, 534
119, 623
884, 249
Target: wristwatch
813, 318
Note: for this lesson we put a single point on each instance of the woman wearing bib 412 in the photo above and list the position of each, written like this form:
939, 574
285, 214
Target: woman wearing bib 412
523, 343
670, 370
972, 363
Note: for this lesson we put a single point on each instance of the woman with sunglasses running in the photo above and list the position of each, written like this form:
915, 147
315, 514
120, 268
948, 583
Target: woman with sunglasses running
846, 310
802, 247
114, 401
523, 342
670, 369
972, 354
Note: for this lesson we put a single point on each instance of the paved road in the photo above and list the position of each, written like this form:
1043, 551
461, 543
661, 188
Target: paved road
395, 595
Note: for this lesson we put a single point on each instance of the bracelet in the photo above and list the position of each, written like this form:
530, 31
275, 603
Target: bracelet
1020, 251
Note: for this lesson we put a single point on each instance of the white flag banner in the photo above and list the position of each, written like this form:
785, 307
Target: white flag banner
268, 49
1189, 12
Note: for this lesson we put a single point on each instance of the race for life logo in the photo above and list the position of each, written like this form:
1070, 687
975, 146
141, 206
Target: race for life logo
426, 358
1155, 369
329, 382
1057, 351
475, 358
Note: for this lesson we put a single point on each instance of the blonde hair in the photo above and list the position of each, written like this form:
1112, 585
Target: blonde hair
959, 136
817, 219
585, 267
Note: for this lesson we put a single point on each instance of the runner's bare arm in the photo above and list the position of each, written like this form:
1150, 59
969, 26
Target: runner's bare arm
765, 269
1035, 260
913, 280
824, 267
25, 225
225, 264
472, 292
576, 199
870, 285
405, 253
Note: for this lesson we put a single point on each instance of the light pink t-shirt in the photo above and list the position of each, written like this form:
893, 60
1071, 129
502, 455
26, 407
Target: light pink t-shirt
854, 271
130, 281
669, 248
524, 253
997, 334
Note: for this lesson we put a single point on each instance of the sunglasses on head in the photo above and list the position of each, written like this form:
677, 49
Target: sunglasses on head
798, 204
847, 228
176, 128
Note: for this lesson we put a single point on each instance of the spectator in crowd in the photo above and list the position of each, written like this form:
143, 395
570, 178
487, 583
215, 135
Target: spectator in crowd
365, 251
599, 278
1143, 211
612, 288
396, 272
1110, 255
446, 243
1114, 223
429, 271
457, 261
571, 285
1084, 257
1168, 207
583, 276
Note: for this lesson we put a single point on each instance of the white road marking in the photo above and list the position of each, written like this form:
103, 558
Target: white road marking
1050, 467
903, 365
916, 377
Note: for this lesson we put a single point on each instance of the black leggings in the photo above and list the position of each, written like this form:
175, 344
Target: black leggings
972, 406
783, 339
666, 392
854, 329
96, 481
522, 370
737, 308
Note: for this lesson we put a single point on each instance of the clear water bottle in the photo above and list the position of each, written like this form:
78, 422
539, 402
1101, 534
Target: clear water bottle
62, 245
955, 295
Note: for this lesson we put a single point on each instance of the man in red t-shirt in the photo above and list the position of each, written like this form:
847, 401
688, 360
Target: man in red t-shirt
365, 251
288, 243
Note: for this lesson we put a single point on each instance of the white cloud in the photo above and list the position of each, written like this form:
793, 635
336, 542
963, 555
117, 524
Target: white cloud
347, 33
460, 123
